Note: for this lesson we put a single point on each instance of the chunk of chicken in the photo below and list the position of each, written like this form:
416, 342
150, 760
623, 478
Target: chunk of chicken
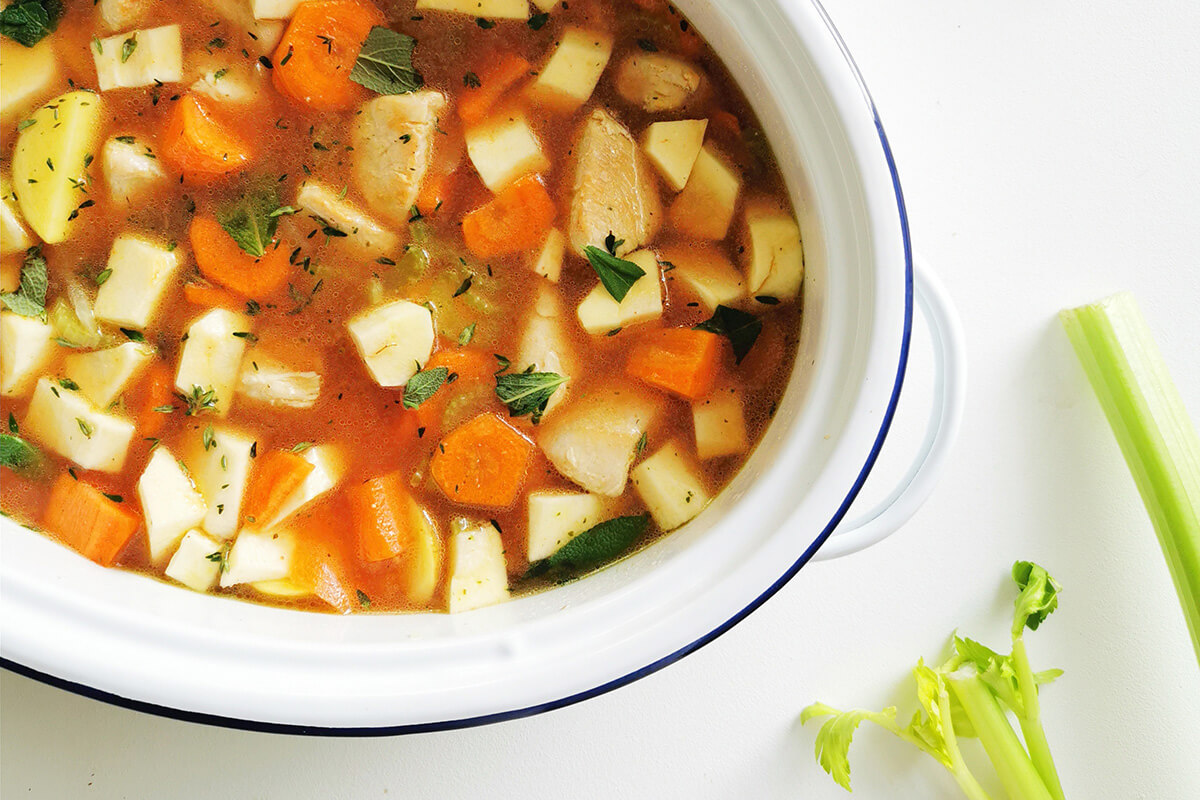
615, 190
545, 345
393, 145
118, 15
362, 232
657, 81
271, 382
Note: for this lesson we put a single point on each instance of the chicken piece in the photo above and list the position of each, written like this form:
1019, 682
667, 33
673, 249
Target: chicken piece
363, 233
615, 190
118, 15
657, 81
130, 169
393, 145
544, 344
269, 381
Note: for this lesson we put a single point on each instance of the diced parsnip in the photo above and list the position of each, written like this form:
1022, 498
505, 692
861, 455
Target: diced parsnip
170, 502
104, 374
673, 146
670, 486
423, 559
141, 270
363, 232
556, 518
599, 313
720, 425
593, 440
329, 465
657, 82
30, 74
503, 149
545, 344
26, 347
236, 85
14, 236
478, 573
570, 76
121, 14
220, 472
147, 57
273, 9
65, 422
212, 357
259, 556
489, 9
268, 381
47, 163
614, 189
395, 340
774, 254
131, 170
705, 207
266, 33
393, 144
194, 564
549, 259
283, 587
707, 273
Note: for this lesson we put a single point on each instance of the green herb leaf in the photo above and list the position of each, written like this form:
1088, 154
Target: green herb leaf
300, 447
527, 392
103, 276
485, 24
471, 81
538, 21
648, 45
221, 557
251, 219
464, 287
739, 327
617, 274
468, 333
598, 545
384, 64
12, 424
30, 299
68, 384
363, 600
423, 385
27, 22
127, 48
85, 427
198, 401
18, 454
134, 336
209, 438
116, 498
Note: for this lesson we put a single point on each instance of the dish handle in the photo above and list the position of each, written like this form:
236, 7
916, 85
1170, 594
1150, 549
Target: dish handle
950, 388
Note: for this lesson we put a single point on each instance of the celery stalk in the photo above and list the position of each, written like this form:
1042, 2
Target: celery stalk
1156, 436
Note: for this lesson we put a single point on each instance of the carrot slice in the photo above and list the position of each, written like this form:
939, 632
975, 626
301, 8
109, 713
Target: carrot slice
727, 123
199, 294
323, 561
516, 219
318, 51
278, 475
199, 146
472, 366
83, 517
437, 193
222, 261
160, 393
482, 463
682, 361
475, 103
381, 512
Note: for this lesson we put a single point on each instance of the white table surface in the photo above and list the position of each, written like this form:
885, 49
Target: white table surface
1050, 155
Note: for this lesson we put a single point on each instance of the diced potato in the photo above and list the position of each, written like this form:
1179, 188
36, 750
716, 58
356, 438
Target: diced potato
490, 9
549, 260
670, 486
328, 468
395, 340
47, 163
283, 587
266, 32
192, 566
546, 5
146, 57
273, 9
673, 147
545, 344
657, 82
104, 374
268, 381
614, 190
720, 425
503, 149
556, 518
236, 85
212, 356
14, 236
422, 561
65, 422
141, 272
131, 170
705, 207
259, 556
707, 274
393, 145
774, 254
26, 347
599, 313
121, 14
570, 76
30, 73
363, 232
593, 440
221, 472
170, 502
478, 573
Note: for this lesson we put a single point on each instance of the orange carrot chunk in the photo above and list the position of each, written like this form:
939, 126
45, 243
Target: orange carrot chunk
160, 394
278, 475
222, 261
516, 219
381, 512
318, 50
323, 556
198, 145
199, 294
472, 365
682, 361
92, 523
475, 102
482, 463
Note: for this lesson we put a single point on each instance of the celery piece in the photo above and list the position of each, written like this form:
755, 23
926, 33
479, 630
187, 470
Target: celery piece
1157, 438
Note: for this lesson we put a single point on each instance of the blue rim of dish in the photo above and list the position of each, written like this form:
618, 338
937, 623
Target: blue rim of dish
616, 683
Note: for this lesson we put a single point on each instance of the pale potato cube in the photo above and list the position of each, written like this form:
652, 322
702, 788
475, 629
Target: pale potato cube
195, 563
393, 138
26, 347
282, 587
720, 425
65, 422
362, 232
329, 465
170, 502
599, 313
268, 381
212, 356
670, 486
707, 273
673, 146
395, 340
104, 374
139, 58
30, 74
236, 85
490, 9
131, 170
556, 518
503, 149
549, 260
593, 440
657, 82
120, 14
273, 9
773, 251
221, 472
570, 76
259, 556
705, 207
546, 5
545, 344
141, 272
478, 573
14, 236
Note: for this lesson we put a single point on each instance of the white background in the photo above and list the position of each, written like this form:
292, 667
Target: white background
1050, 154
